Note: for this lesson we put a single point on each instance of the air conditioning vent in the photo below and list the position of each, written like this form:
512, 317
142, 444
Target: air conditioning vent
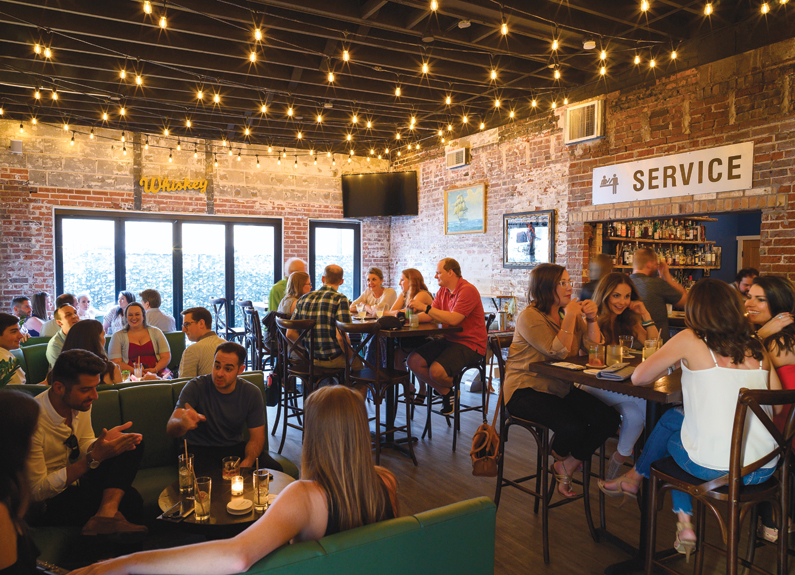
585, 122
458, 158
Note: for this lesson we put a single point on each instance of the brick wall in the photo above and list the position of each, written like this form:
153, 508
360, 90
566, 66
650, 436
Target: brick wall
527, 167
95, 174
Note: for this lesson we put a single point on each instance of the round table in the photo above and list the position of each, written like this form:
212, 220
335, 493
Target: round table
221, 494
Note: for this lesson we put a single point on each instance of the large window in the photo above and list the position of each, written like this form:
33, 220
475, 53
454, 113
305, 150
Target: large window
336, 243
188, 260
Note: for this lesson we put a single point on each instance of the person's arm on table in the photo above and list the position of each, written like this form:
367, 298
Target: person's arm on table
254, 446
661, 361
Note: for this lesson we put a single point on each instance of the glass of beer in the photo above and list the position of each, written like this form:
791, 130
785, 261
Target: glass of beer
262, 478
626, 343
649, 347
596, 355
185, 467
614, 354
202, 498
379, 311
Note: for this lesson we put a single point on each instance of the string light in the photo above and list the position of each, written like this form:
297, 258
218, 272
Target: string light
295, 165
47, 53
258, 161
331, 76
279, 162
163, 22
565, 100
247, 132
195, 152
345, 55
349, 160
264, 109
199, 95
424, 67
138, 80
398, 153
316, 160
602, 71
300, 135
258, 34
397, 136
351, 152
386, 150
252, 56
32, 120
368, 158
165, 131
319, 119
105, 116
216, 98
441, 133
354, 119
230, 151
465, 119
223, 142
637, 59
91, 135
238, 156
333, 161
123, 139
328, 154
170, 156
449, 127
284, 152
122, 111
434, 5
146, 145
512, 114
708, 9
765, 8
188, 123
504, 29
54, 94
603, 55
494, 74
448, 100
270, 149
147, 7
37, 94
497, 103
534, 103
21, 128
555, 44
369, 124
179, 145
216, 160
673, 55
442, 140
652, 63
124, 150
372, 151
482, 125
397, 91
644, 6
348, 137
123, 74
554, 104
72, 142
557, 73
290, 111
37, 48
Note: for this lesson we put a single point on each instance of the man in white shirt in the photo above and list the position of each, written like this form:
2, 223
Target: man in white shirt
150, 298
10, 336
65, 316
64, 449
50, 328
198, 358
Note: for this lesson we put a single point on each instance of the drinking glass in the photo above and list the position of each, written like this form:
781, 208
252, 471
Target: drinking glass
138, 370
362, 312
626, 343
202, 498
614, 354
230, 468
379, 311
649, 347
262, 478
185, 467
596, 355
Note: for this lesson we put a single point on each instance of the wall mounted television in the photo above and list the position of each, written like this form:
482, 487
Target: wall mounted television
380, 194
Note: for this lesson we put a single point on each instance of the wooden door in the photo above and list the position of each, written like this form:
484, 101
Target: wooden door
750, 255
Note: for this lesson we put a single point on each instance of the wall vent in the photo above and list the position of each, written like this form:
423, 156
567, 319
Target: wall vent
458, 158
585, 122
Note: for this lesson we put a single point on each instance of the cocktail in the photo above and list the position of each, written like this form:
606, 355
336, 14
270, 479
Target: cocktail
626, 343
262, 478
230, 468
596, 355
185, 467
649, 347
614, 354
202, 498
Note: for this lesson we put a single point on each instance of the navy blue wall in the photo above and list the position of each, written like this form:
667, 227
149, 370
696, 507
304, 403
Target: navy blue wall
724, 233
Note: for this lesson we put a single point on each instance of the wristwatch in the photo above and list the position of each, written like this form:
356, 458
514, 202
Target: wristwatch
92, 463
428, 309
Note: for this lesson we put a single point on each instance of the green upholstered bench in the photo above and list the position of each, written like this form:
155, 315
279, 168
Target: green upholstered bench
35, 340
20, 357
176, 342
36, 364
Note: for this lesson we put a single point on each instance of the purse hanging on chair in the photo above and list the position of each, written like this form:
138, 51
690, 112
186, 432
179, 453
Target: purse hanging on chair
485, 452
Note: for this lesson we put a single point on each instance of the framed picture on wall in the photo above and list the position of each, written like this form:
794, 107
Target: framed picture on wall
465, 210
528, 239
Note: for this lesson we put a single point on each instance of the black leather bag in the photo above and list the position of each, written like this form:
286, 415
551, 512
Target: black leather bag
388, 322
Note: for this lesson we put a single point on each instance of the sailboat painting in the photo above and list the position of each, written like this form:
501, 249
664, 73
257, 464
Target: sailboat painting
465, 210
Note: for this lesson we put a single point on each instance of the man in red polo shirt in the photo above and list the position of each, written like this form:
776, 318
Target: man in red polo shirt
457, 303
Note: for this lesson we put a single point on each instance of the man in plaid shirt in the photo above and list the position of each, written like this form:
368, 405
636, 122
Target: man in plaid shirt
326, 306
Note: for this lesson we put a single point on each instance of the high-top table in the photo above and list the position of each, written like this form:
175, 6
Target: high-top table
665, 391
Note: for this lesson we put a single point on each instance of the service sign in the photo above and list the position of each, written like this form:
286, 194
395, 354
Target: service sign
722, 169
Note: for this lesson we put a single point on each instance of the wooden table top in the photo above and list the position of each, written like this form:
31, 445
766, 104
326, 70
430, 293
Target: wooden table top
667, 389
424, 329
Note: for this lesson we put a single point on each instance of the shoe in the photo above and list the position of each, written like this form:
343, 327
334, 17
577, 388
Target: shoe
620, 491
563, 479
111, 526
448, 403
684, 546
771, 533
418, 399
613, 468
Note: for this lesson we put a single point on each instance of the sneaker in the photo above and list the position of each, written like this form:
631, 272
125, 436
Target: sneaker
448, 403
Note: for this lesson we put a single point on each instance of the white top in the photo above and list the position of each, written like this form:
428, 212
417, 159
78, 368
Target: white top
115, 320
387, 299
19, 376
710, 400
49, 455
160, 320
90, 313
119, 347
198, 358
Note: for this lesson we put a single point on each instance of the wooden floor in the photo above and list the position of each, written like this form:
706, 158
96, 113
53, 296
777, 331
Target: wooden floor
444, 477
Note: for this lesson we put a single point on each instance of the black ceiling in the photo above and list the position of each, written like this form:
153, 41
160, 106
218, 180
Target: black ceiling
207, 43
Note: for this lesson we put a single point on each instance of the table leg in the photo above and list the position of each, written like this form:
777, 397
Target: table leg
391, 404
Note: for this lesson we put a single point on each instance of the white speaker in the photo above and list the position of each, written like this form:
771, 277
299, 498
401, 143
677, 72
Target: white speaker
16, 146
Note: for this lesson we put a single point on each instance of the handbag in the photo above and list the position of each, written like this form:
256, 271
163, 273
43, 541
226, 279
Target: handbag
485, 452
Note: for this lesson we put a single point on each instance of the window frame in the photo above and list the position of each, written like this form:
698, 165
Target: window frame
119, 252
356, 226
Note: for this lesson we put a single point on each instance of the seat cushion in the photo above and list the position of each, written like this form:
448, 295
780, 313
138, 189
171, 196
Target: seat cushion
667, 468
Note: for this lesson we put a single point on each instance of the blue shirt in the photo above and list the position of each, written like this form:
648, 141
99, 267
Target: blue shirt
226, 413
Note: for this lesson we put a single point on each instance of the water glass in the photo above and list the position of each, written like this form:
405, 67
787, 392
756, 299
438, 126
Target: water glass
596, 355
185, 467
202, 498
649, 347
230, 467
138, 370
379, 311
626, 343
262, 478
614, 354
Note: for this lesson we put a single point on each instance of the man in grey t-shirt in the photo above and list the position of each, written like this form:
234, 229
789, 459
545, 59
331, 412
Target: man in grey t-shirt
655, 292
212, 411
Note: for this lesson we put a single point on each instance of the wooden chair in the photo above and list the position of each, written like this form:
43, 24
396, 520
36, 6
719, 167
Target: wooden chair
221, 315
666, 475
545, 483
248, 331
296, 358
378, 379
260, 351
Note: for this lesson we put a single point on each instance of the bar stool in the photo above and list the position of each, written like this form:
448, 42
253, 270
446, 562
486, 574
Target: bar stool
221, 314
666, 475
378, 379
297, 362
544, 489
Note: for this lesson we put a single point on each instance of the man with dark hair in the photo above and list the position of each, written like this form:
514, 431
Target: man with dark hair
744, 280
65, 316
150, 298
21, 306
655, 291
10, 336
212, 411
456, 303
198, 358
326, 306
64, 449
51, 327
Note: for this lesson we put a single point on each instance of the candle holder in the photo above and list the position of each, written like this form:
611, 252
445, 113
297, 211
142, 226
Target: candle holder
237, 485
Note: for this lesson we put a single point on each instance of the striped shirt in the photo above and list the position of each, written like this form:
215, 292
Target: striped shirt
326, 307
198, 358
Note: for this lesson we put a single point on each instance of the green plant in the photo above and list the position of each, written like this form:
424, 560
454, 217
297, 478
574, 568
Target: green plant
8, 367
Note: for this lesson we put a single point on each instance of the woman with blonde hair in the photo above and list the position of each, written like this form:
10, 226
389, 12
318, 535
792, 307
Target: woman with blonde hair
298, 284
340, 488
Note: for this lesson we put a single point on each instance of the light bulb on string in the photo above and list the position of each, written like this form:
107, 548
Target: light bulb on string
54, 95
565, 100
512, 114
37, 94
368, 158
238, 156
345, 56
328, 154
270, 149
482, 125
424, 67
122, 111
290, 111
230, 151
554, 104
333, 161
216, 98
349, 160
72, 141
674, 55
195, 152
441, 133
449, 127
644, 5
434, 5
448, 100
637, 59
348, 137
66, 127
47, 53
165, 132
257, 161
188, 123
534, 103
319, 119
397, 91
398, 153
300, 135
146, 145
602, 70
252, 57
652, 63
223, 142
708, 9
257, 34
331, 77
123, 74
170, 156
603, 55
442, 140
123, 139
369, 124
216, 160
163, 22
179, 145
316, 160
284, 152
354, 119
557, 74
555, 44
138, 80
379, 156
91, 135
199, 95
33, 120
465, 120
247, 131
124, 150
386, 150
21, 128
397, 136
497, 103
504, 29
37, 48
493, 74
279, 162
147, 7
765, 8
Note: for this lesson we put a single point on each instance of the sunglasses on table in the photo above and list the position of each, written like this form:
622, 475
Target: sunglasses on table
74, 448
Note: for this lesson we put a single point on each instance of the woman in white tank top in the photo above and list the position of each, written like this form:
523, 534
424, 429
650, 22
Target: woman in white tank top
719, 355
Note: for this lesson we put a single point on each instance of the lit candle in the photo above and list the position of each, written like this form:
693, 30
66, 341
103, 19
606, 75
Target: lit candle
237, 485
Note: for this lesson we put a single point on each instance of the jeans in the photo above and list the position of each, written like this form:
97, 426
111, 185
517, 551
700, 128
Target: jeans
633, 416
666, 439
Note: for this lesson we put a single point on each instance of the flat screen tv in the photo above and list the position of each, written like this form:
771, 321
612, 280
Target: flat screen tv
381, 194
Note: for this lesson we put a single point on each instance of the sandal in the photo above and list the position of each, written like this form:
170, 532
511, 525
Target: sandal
620, 492
684, 546
563, 479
